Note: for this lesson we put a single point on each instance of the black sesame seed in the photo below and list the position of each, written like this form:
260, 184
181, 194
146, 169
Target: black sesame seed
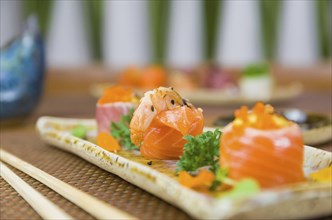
149, 163
152, 108
172, 101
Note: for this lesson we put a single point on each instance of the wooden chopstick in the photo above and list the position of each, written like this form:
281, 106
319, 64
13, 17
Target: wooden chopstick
44, 207
90, 204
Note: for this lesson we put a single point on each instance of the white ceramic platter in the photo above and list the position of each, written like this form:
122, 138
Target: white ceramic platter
305, 200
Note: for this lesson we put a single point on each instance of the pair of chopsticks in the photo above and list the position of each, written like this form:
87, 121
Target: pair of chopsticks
45, 208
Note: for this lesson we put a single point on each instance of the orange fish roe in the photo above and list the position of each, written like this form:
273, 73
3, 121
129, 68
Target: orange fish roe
261, 117
262, 145
203, 179
117, 94
107, 142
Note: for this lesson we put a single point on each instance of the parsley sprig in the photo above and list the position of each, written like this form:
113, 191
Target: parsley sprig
203, 151
200, 151
120, 131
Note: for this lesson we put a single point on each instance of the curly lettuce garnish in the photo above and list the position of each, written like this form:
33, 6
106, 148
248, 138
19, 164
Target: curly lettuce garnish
200, 151
120, 131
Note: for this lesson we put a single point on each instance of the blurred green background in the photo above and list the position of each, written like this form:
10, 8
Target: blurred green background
159, 12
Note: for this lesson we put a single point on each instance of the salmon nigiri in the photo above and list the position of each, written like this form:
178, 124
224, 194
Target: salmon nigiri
160, 122
264, 146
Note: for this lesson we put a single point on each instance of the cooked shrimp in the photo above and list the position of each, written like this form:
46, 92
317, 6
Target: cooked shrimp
151, 104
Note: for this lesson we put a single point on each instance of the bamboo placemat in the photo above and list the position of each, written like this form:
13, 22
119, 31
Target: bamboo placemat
26, 144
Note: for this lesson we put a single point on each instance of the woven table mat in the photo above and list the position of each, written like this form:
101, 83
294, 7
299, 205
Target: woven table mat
26, 144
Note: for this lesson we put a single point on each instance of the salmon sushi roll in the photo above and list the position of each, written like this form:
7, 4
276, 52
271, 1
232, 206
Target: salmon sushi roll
262, 145
115, 102
161, 121
164, 137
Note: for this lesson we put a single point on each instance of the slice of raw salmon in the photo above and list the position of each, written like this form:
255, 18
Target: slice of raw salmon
164, 137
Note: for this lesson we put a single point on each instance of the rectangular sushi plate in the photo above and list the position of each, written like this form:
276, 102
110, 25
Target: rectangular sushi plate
306, 200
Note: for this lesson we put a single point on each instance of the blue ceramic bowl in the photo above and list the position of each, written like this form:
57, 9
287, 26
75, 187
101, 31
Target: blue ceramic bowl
22, 67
